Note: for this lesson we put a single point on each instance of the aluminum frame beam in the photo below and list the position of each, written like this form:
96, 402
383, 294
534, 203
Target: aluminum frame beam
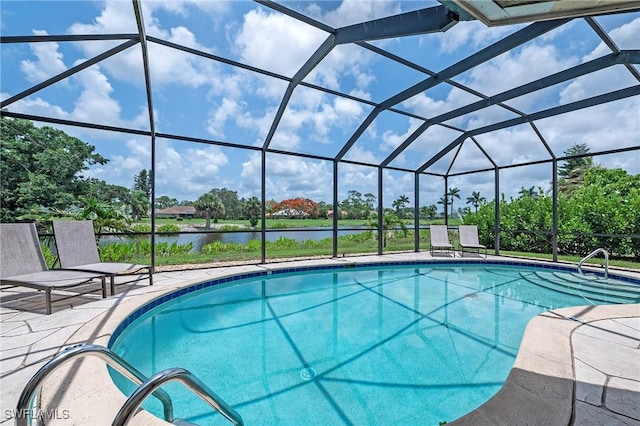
563, 109
623, 57
423, 21
506, 44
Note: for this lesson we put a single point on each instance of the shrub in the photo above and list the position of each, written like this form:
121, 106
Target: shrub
169, 227
141, 227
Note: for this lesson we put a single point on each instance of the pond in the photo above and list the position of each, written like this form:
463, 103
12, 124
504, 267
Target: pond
242, 237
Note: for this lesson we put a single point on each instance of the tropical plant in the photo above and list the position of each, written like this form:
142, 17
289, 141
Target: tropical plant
138, 203
390, 223
453, 193
105, 216
475, 200
399, 205
445, 204
572, 170
211, 206
41, 168
142, 182
253, 209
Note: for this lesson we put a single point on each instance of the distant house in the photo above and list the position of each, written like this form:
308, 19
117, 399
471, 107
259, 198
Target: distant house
176, 212
330, 213
290, 213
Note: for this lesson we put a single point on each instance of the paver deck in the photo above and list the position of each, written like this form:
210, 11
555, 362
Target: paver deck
575, 366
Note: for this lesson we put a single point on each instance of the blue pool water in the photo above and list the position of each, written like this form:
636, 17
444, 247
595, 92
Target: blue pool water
405, 344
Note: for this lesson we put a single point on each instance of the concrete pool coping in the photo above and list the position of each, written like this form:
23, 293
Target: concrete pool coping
553, 380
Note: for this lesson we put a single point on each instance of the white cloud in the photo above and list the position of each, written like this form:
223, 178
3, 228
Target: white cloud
470, 34
288, 177
286, 48
48, 64
351, 12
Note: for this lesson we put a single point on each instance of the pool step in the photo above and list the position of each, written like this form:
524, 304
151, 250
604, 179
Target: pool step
596, 291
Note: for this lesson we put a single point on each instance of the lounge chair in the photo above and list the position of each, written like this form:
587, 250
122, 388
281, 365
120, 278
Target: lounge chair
77, 250
440, 239
469, 239
23, 263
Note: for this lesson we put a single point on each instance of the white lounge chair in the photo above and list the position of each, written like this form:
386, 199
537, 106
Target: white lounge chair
23, 263
440, 239
77, 250
469, 239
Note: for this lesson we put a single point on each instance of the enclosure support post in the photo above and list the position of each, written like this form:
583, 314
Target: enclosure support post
416, 212
554, 234
446, 200
496, 219
380, 211
263, 194
336, 212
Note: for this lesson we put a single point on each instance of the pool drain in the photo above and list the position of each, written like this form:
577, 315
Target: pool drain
307, 373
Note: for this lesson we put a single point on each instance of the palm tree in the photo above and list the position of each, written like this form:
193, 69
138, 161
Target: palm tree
211, 206
531, 192
139, 204
445, 202
105, 216
253, 209
403, 200
453, 192
475, 200
389, 222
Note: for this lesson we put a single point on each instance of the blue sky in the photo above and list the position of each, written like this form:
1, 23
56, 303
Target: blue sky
201, 98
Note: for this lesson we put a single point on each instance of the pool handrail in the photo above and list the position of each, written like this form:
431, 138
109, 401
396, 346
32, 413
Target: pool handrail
194, 384
33, 387
593, 253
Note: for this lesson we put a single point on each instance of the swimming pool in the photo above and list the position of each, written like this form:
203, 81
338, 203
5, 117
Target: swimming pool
385, 344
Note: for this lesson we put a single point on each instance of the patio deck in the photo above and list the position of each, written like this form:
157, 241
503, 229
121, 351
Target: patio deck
584, 370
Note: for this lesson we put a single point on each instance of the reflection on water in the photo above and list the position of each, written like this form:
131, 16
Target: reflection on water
200, 239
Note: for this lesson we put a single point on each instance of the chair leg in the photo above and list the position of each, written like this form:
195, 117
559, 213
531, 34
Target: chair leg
113, 285
150, 277
104, 287
47, 296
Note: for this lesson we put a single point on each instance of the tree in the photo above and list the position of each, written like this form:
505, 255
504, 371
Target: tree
232, 205
389, 222
211, 206
475, 200
139, 204
164, 202
370, 202
429, 212
105, 216
453, 192
253, 209
111, 194
445, 203
142, 182
579, 161
572, 170
399, 205
41, 167
299, 206
531, 192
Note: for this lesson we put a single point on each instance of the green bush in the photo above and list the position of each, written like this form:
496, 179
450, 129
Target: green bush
118, 251
141, 227
608, 202
221, 247
253, 245
169, 227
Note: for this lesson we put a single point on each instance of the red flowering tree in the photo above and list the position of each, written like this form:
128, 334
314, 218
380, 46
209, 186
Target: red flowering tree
298, 207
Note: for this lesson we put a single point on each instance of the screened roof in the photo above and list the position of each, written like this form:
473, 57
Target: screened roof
418, 86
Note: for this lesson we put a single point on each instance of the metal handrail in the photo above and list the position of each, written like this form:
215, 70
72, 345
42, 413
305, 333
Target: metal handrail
593, 253
33, 387
189, 380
